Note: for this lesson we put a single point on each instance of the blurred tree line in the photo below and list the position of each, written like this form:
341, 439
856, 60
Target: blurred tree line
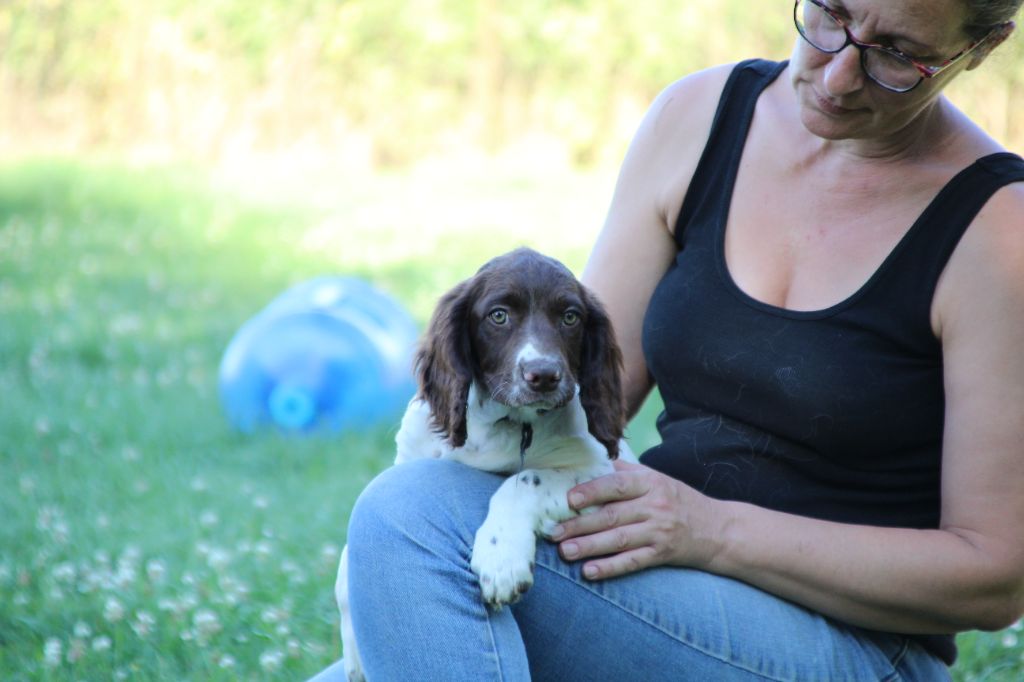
383, 81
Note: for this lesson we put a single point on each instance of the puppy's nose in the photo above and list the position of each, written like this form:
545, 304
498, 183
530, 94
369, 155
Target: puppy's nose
542, 375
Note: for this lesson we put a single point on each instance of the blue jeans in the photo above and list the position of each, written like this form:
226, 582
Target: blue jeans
418, 615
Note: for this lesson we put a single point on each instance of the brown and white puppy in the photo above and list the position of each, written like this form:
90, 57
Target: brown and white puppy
519, 373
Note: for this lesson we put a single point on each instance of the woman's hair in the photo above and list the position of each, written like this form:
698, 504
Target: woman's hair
985, 15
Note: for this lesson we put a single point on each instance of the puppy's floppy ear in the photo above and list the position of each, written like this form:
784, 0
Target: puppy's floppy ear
600, 377
444, 363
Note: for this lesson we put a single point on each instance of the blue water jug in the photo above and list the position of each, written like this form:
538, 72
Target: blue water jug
331, 353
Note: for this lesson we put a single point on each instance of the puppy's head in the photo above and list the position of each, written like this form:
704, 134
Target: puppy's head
529, 334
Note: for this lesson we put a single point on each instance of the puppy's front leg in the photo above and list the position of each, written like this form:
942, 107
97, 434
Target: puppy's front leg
528, 503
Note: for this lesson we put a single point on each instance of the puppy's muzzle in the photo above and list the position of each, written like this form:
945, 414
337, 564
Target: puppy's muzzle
541, 376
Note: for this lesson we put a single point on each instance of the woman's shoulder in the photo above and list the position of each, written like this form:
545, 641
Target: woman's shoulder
983, 273
672, 136
692, 99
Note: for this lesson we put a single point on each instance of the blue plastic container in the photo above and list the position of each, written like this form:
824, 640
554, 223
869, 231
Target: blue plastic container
332, 353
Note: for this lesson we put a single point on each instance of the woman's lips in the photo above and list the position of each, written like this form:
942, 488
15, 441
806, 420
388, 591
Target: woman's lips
829, 107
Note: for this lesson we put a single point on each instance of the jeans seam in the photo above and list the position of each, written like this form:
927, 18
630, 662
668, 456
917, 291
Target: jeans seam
897, 660
494, 649
660, 629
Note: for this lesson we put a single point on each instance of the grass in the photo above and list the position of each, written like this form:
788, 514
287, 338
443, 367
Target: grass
142, 537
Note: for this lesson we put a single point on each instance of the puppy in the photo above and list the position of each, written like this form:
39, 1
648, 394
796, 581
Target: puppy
519, 374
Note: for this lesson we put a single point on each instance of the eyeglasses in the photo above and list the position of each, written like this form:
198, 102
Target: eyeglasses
887, 67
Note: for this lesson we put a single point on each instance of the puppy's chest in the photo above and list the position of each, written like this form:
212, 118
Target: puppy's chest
494, 446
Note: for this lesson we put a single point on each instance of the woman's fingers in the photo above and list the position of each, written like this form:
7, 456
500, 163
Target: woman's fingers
624, 484
621, 564
601, 518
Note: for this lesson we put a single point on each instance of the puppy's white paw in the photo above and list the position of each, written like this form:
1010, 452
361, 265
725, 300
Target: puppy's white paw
354, 671
503, 563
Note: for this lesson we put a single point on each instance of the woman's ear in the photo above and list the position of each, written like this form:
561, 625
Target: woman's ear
990, 42
600, 377
444, 364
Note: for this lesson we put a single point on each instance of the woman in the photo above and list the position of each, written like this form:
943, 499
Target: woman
819, 265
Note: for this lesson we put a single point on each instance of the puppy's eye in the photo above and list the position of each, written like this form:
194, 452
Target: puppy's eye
570, 318
498, 316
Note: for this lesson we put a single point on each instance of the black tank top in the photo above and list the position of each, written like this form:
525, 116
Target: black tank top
834, 414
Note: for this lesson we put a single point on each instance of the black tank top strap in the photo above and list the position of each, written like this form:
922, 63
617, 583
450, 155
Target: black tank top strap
726, 139
939, 228
964, 196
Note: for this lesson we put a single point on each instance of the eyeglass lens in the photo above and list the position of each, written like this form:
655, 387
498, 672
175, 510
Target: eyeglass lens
822, 31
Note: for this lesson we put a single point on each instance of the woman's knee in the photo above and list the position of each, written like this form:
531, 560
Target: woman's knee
421, 496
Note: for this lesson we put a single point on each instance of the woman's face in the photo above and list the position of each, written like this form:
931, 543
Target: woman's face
837, 99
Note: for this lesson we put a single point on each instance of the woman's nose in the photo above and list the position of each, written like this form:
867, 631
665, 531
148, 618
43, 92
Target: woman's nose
843, 73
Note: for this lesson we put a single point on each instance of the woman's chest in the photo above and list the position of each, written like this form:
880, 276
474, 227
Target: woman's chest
800, 242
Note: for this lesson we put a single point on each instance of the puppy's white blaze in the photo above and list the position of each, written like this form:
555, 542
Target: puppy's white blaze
530, 352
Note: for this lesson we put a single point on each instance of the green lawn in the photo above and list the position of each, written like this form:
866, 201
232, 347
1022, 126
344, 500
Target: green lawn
141, 537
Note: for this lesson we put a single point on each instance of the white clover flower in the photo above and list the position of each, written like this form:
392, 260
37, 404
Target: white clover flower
198, 484
218, 559
293, 647
271, 660
235, 591
226, 661
63, 572
82, 630
272, 614
263, 549
208, 519
113, 610
1010, 639
101, 643
60, 531
282, 630
130, 453
260, 502
130, 556
330, 554
156, 570
125, 576
143, 623
53, 651
206, 623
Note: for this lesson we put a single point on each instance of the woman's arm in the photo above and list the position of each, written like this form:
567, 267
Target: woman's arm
635, 246
967, 574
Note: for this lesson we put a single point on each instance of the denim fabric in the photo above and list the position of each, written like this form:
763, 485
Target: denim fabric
418, 615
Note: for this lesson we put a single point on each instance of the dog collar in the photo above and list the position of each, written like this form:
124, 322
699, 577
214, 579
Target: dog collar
524, 443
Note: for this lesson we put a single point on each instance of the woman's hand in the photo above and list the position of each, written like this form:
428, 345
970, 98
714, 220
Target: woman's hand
642, 518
